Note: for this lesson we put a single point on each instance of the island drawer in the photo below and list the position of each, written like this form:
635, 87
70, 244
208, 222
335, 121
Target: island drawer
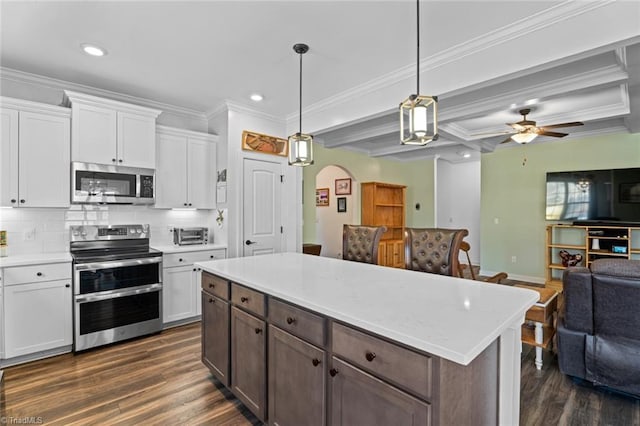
215, 285
248, 299
297, 321
188, 258
401, 366
37, 273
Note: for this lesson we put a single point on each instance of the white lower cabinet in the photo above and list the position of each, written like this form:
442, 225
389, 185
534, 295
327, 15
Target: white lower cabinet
38, 317
1, 322
181, 280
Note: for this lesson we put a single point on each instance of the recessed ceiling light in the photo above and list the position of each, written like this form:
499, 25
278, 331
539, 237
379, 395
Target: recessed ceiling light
256, 97
93, 50
464, 154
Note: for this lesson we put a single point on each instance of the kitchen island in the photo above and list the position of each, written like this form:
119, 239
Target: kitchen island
421, 348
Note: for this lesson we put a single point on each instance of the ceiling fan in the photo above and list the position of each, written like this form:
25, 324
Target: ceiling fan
526, 130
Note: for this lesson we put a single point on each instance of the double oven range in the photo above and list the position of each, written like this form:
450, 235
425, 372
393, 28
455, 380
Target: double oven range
117, 284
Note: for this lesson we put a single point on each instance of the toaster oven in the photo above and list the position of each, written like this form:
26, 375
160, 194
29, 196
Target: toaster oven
194, 235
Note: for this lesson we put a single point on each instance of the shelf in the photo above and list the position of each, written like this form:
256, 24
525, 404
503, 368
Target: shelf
528, 335
607, 253
557, 266
635, 251
598, 237
554, 285
568, 246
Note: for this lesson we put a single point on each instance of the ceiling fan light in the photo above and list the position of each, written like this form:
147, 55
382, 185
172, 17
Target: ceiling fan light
419, 120
300, 149
525, 137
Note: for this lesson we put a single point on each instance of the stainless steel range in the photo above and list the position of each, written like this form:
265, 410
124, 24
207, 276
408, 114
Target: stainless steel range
117, 284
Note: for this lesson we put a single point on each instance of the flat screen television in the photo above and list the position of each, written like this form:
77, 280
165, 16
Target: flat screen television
589, 197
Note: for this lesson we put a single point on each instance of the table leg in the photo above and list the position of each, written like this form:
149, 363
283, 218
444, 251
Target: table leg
539, 336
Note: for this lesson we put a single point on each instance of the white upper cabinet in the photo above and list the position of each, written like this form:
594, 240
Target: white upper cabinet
104, 131
35, 154
185, 169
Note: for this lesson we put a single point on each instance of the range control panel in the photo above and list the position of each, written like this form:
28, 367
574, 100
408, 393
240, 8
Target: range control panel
108, 232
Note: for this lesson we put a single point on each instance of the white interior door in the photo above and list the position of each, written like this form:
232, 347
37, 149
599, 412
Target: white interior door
262, 194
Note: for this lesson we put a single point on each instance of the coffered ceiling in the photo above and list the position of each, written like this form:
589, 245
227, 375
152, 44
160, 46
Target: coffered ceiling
567, 61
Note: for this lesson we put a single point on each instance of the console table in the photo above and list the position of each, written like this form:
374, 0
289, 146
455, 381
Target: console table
328, 341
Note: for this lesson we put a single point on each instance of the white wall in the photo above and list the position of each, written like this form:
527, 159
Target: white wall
458, 201
51, 226
328, 221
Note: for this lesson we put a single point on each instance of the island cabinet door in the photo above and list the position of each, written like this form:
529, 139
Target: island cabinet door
248, 361
359, 398
215, 336
296, 381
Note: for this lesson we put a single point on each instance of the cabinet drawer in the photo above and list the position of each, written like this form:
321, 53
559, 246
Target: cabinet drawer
248, 299
394, 363
215, 285
297, 321
189, 257
37, 273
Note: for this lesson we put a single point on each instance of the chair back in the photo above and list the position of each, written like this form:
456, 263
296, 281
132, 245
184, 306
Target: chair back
433, 250
360, 243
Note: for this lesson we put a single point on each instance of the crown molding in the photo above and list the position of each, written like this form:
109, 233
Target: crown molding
174, 131
232, 106
40, 80
513, 31
71, 97
23, 105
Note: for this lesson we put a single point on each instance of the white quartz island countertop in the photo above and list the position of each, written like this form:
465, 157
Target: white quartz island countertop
452, 318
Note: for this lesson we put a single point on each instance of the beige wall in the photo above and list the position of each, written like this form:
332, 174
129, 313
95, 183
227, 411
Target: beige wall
418, 176
513, 192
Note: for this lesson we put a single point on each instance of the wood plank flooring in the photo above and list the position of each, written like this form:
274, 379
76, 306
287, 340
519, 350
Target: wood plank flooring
160, 380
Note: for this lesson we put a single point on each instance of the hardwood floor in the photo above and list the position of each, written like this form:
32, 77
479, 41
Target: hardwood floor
160, 380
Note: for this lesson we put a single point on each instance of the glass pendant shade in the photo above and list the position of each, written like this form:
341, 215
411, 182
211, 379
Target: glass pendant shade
419, 120
524, 137
300, 149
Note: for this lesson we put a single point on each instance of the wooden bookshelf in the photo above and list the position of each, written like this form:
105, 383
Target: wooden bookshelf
384, 204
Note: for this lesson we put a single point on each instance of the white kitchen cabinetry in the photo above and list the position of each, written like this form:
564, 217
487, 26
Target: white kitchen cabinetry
104, 131
34, 154
181, 282
185, 169
38, 308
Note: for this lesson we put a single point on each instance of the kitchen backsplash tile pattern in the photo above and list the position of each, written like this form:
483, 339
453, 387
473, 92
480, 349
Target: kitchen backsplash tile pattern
41, 230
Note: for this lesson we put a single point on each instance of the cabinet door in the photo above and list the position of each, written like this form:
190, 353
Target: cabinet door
296, 381
359, 398
398, 254
93, 134
136, 140
248, 362
1, 324
44, 177
8, 157
215, 336
179, 294
171, 171
38, 317
201, 166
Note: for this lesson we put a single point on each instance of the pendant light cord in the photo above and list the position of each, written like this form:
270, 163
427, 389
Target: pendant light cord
300, 118
417, 47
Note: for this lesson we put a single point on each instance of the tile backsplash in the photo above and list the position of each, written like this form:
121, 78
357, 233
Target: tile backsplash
46, 230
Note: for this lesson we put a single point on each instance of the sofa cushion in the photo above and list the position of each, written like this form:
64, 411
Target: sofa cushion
615, 307
617, 268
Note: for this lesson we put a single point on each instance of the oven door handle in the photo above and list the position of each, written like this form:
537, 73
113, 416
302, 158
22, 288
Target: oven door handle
147, 289
117, 263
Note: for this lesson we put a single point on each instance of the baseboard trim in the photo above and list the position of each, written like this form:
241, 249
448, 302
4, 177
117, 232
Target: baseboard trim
535, 280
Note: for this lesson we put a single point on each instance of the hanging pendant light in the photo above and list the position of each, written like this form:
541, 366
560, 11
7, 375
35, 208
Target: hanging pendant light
418, 114
300, 144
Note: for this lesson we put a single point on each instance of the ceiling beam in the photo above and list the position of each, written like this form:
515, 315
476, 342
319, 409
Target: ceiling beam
348, 138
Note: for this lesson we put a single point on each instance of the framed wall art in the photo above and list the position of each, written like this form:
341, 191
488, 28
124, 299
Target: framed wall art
322, 197
258, 142
343, 186
342, 204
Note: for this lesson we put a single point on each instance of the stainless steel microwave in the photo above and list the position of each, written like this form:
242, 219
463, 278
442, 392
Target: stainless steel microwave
107, 184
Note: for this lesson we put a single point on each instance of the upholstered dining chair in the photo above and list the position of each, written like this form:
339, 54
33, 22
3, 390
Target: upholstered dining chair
360, 243
433, 250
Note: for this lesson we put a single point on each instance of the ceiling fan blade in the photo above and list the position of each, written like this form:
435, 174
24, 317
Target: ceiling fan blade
555, 126
506, 140
553, 134
492, 134
517, 126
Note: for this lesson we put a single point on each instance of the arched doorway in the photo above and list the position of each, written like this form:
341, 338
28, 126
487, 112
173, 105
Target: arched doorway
329, 220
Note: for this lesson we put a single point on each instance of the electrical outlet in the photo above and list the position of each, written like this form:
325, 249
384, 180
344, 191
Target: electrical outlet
514, 259
170, 228
29, 234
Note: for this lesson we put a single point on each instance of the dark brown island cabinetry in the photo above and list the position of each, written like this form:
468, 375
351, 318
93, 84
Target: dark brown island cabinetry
291, 366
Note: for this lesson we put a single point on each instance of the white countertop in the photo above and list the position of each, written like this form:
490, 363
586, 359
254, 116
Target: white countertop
172, 248
34, 259
452, 318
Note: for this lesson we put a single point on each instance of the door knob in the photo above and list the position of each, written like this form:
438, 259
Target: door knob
249, 242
